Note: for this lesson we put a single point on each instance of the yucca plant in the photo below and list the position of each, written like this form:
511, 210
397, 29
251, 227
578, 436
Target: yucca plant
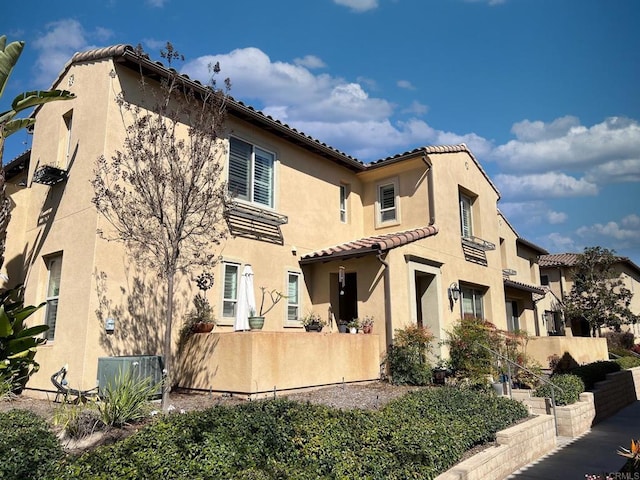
126, 399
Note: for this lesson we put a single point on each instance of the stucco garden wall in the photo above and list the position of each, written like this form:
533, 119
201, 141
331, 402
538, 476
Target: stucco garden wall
256, 363
582, 349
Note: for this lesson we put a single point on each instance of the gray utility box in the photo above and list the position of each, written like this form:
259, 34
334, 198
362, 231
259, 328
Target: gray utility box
142, 366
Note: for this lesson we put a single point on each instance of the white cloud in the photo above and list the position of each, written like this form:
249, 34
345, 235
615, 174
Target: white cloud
489, 2
416, 108
631, 221
154, 46
358, 5
332, 109
406, 84
555, 218
628, 230
309, 61
57, 45
565, 145
544, 185
557, 242
156, 3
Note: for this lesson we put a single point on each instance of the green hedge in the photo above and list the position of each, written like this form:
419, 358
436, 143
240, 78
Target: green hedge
628, 362
592, 373
572, 386
417, 436
28, 447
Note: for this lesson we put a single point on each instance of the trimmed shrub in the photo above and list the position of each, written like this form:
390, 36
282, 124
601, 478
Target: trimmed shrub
595, 372
466, 357
622, 340
29, 448
417, 436
571, 385
628, 362
407, 358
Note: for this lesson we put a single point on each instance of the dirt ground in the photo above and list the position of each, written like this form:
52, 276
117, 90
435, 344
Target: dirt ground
370, 396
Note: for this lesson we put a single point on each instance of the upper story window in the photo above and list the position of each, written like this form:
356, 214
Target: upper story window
230, 291
544, 279
344, 195
64, 145
54, 268
466, 220
251, 172
387, 203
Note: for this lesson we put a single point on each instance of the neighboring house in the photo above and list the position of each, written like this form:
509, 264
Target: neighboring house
413, 238
556, 274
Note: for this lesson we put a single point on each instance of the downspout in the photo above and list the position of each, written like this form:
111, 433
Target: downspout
430, 192
387, 300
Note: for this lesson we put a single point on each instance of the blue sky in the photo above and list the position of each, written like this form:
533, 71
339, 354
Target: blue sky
546, 93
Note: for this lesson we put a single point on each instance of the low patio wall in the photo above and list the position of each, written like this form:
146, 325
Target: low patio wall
256, 363
582, 349
517, 446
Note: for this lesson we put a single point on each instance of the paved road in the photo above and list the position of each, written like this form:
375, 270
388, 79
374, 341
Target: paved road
593, 453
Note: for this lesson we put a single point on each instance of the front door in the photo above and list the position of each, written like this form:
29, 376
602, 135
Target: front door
344, 298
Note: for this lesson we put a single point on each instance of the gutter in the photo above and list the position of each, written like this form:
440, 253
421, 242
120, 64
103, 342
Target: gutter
388, 328
430, 192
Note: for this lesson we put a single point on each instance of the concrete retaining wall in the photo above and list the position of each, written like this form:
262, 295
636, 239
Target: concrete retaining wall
517, 446
616, 392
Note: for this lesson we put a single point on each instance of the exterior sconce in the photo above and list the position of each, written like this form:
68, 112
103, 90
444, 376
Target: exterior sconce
454, 292
110, 325
341, 279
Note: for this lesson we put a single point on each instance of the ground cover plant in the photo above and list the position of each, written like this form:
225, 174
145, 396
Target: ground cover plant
417, 436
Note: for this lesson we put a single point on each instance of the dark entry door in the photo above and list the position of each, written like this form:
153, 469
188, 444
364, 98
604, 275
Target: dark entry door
348, 298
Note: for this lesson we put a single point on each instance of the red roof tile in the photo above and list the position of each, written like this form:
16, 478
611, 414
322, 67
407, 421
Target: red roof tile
370, 245
524, 286
558, 260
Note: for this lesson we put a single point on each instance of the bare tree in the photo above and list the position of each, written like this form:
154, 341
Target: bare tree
162, 192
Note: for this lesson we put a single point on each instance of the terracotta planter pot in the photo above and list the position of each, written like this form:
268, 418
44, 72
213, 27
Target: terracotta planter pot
367, 328
202, 327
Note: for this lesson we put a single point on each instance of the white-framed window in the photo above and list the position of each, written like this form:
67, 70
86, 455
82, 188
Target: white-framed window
293, 297
466, 220
251, 172
387, 202
472, 300
65, 140
344, 195
54, 270
231, 276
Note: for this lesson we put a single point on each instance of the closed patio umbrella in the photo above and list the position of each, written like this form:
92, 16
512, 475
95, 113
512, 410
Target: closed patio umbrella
246, 300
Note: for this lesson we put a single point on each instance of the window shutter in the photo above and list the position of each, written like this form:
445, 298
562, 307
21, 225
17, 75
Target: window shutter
263, 178
239, 168
387, 203
465, 216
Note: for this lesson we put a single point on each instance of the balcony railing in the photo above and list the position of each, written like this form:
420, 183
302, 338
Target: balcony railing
49, 175
479, 243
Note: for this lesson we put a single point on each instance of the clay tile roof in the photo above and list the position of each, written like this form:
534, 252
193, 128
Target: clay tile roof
370, 245
558, 260
524, 286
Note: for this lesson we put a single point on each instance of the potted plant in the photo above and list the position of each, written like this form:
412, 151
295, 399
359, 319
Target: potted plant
313, 323
367, 324
256, 319
353, 325
342, 326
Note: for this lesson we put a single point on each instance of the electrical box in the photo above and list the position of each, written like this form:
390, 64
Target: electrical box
141, 366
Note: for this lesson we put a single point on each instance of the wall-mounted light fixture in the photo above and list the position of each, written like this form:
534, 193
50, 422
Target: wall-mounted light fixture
341, 279
454, 292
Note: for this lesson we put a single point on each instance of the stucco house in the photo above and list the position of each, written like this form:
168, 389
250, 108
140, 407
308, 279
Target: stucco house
412, 238
556, 273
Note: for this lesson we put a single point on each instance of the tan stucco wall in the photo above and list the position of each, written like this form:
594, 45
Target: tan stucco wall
258, 362
582, 349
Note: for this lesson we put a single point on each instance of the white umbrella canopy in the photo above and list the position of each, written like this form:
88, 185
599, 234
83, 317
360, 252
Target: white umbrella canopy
246, 300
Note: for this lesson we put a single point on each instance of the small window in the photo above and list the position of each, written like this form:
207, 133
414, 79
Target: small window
65, 140
230, 291
472, 302
293, 297
544, 279
466, 223
251, 172
344, 193
54, 268
387, 203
